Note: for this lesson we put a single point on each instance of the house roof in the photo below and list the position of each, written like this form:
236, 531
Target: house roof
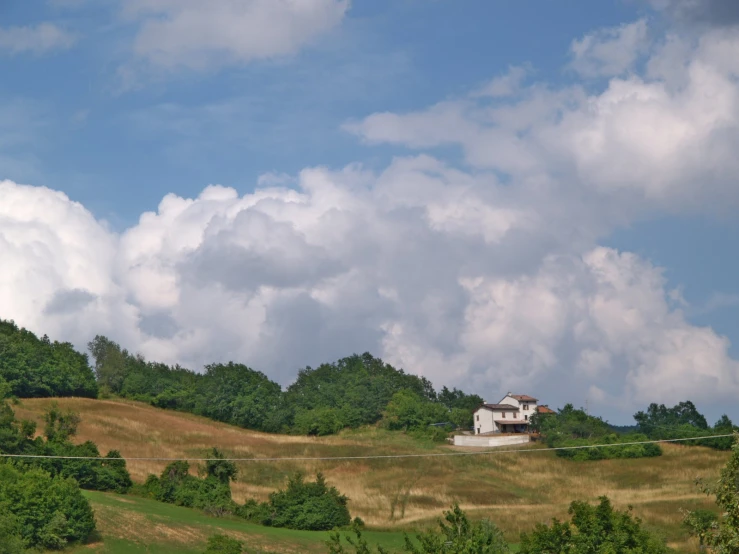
523, 397
512, 421
498, 407
544, 409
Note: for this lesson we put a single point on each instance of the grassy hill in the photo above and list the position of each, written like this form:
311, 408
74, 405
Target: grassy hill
514, 490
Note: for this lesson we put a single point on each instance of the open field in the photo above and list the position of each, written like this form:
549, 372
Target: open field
514, 490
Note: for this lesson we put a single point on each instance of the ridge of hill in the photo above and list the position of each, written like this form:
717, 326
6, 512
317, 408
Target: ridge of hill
514, 490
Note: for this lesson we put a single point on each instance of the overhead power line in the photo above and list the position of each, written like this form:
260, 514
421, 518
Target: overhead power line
373, 457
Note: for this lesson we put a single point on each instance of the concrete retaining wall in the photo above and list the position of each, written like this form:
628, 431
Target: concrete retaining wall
488, 440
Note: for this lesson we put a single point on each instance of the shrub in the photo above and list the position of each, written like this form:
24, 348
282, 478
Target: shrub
50, 511
429, 433
607, 452
593, 530
304, 505
222, 544
211, 494
319, 421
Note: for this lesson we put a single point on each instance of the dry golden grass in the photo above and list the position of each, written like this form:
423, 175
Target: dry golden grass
514, 490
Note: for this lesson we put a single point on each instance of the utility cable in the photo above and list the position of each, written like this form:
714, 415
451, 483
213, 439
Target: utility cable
373, 457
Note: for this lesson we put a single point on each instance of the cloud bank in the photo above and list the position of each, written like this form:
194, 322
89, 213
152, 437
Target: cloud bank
487, 276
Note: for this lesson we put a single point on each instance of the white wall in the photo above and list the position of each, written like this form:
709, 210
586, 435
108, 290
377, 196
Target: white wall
483, 420
471, 440
520, 405
509, 400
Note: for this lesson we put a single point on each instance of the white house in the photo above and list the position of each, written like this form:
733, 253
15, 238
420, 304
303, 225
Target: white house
510, 415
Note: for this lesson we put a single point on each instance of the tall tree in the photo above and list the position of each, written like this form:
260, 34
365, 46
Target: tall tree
110, 362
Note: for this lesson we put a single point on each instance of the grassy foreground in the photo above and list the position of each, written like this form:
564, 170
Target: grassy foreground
129, 525
514, 490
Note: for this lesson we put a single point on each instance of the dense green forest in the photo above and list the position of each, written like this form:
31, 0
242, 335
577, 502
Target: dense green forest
36, 367
354, 391
349, 393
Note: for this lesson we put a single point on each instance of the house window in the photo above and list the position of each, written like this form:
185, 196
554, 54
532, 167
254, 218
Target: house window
478, 417
525, 406
526, 417
503, 415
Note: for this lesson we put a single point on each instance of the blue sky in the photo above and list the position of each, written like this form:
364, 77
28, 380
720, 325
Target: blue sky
99, 142
119, 104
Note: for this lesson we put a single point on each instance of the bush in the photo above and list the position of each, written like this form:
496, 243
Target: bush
606, 452
304, 505
319, 422
50, 512
434, 434
593, 530
222, 544
211, 494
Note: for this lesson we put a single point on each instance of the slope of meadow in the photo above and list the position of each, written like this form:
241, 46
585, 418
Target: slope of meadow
514, 490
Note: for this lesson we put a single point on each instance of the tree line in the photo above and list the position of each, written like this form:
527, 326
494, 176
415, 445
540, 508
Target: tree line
351, 392
36, 367
354, 391
570, 427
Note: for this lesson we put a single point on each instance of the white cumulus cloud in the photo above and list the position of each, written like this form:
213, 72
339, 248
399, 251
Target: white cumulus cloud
644, 141
489, 277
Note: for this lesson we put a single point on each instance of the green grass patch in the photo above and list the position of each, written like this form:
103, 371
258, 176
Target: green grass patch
129, 525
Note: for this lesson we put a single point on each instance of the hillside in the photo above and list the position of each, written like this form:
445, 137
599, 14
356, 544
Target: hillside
515, 490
